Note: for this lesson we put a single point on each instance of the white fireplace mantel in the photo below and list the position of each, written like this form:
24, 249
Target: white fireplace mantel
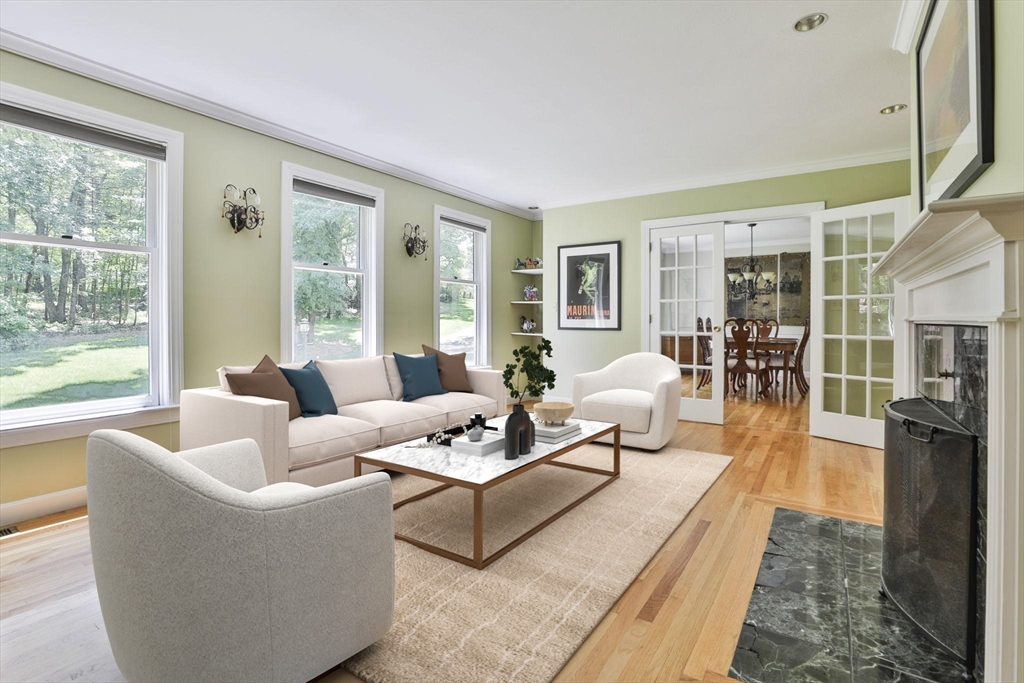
961, 262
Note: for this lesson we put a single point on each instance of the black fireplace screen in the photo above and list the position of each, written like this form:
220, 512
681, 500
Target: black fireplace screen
928, 538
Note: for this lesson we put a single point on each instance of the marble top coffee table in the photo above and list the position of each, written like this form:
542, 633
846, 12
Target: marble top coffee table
481, 472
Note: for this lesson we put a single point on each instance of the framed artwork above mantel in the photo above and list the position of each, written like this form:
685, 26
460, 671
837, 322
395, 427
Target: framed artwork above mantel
954, 97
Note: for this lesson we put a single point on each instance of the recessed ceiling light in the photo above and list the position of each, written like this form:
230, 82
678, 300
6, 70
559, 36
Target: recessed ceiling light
533, 208
810, 22
893, 109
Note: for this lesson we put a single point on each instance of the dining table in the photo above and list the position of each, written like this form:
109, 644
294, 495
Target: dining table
785, 345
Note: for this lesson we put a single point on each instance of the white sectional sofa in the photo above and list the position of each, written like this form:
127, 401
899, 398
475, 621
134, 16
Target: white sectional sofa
319, 450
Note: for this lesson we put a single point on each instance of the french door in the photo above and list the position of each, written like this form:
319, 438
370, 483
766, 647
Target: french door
856, 320
687, 303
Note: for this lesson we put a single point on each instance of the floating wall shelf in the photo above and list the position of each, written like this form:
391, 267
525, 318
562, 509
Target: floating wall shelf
530, 271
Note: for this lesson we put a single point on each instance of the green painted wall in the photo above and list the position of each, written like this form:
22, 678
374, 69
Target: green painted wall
1006, 174
577, 351
232, 282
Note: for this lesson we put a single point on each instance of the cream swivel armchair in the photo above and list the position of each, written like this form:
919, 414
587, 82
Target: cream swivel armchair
639, 391
205, 573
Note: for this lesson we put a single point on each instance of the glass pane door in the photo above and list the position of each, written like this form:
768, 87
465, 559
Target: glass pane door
855, 327
687, 264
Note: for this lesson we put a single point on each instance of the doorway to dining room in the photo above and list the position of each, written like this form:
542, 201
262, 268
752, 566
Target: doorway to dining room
685, 298
768, 307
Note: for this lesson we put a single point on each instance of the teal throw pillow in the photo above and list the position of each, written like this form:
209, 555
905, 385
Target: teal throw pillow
419, 376
315, 398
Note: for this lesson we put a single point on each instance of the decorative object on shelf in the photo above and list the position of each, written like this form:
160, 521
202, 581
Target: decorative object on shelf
532, 263
519, 264
954, 98
553, 412
527, 324
589, 286
530, 293
475, 433
528, 367
414, 244
240, 209
751, 281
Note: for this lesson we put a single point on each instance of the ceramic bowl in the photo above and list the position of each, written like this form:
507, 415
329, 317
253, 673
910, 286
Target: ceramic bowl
551, 412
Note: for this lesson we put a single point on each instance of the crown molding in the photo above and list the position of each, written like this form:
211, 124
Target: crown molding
52, 56
730, 178
906, 25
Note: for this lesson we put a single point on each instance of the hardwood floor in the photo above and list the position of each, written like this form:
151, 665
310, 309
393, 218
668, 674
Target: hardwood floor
679, 621
681, 618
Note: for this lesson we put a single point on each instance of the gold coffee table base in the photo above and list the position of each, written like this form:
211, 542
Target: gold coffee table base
478, 561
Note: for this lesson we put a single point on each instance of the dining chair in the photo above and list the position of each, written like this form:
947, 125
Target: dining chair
748, 360
767, 327
704, 352
796, 362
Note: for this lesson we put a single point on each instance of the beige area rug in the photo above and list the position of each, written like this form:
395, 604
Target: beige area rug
523, 617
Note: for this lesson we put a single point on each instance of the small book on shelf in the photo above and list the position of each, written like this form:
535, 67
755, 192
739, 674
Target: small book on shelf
490, 442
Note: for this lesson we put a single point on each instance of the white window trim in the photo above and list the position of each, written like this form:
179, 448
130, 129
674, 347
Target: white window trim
373, 253
165, 272
482, 256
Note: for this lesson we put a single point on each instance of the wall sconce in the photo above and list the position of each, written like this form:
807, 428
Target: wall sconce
414, 244
244, 214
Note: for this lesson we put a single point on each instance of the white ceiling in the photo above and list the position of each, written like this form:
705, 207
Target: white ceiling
528, 103
769, 233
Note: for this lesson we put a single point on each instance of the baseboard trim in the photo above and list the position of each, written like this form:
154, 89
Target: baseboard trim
40, 506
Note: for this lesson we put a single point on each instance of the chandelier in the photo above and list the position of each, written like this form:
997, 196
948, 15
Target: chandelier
749, 279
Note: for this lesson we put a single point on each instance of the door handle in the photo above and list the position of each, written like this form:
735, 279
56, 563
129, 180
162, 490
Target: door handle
718, 328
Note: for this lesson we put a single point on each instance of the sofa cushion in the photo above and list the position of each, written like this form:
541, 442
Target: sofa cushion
317, 439
398, 420
265, 381
315, 396
356, 380
394, 377
458, 407
419, 376
451, 368
631, 408
281, 488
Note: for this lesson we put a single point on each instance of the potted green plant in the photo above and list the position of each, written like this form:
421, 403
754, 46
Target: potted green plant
525, 376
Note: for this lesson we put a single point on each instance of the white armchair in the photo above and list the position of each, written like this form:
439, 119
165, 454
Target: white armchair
205, 573
639, 391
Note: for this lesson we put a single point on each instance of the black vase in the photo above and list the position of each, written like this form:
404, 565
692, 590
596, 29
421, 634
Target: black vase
517, 433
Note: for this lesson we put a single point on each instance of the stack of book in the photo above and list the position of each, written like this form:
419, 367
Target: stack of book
556, 433
491, 442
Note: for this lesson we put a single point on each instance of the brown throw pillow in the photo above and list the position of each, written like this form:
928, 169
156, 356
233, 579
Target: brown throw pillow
266, 381
452, 370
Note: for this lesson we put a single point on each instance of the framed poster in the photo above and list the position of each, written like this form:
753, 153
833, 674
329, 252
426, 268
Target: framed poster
954, 97
589, 280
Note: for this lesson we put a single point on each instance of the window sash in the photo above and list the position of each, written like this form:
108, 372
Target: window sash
479, 280
479, 237
366, 218
477, 318
158, 353
97, 408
